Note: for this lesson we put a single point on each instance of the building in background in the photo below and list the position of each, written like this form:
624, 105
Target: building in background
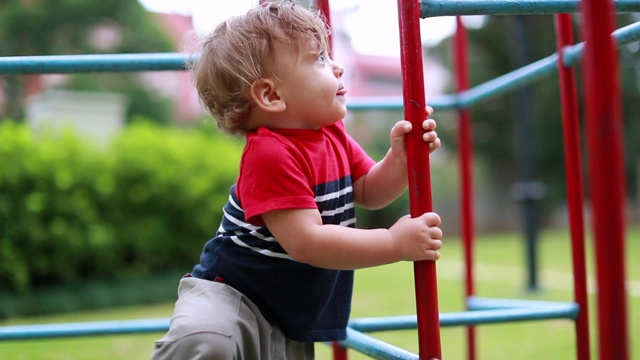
177, 85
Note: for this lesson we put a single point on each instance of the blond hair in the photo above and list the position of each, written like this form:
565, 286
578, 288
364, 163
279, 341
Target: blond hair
241, 50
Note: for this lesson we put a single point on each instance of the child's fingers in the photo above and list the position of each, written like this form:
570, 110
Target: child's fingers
400, 128
430, 136
431, 219
434, 144
429, 125
429, 110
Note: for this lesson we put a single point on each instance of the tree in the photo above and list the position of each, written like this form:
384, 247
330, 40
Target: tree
54, 27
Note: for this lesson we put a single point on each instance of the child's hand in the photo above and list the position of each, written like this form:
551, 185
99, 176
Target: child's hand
403, 127
430, 136
417, 239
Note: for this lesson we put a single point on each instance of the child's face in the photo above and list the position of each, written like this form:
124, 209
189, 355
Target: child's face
311, 85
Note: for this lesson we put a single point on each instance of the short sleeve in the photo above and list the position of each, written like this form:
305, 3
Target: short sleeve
272, 178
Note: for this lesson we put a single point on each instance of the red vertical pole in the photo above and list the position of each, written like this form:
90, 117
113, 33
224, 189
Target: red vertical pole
574, 185
323, 6
419, 175
339, 352
465, 155
607, 186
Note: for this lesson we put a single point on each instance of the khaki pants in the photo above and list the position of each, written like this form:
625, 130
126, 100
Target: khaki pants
213, 321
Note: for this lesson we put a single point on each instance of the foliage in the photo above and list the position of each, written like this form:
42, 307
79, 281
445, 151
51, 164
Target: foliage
55, 27
70, 211
92, 294
50, 27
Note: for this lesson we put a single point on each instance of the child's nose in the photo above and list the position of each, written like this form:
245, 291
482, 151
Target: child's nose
338, 70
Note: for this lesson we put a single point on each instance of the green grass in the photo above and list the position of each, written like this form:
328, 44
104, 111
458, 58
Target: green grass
388, 290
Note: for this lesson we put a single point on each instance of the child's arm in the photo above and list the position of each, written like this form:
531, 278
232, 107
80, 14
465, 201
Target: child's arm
304, 237
387, 180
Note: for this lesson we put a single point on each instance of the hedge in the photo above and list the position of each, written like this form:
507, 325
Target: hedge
72, 210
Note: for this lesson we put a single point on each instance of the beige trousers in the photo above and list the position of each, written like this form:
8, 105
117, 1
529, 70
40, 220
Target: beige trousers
213, 321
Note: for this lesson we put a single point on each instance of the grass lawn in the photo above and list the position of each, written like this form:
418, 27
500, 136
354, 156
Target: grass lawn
387, 291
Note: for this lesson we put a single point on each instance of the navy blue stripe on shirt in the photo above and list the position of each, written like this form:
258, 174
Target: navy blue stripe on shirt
335, 202
256, 238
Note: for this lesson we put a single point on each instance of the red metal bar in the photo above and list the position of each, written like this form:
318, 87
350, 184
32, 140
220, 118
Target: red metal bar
339, 352
465, 155
606, 175
574, 184
323, 6
419, 175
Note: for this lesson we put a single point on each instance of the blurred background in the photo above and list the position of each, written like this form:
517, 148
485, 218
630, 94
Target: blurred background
111, 183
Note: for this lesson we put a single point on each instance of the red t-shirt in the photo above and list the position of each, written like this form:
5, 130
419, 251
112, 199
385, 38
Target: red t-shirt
283, 169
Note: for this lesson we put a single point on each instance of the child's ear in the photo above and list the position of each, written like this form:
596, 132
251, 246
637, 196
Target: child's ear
266, 95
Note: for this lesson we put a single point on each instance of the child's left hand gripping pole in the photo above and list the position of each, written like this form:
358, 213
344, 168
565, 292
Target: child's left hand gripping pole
419, 174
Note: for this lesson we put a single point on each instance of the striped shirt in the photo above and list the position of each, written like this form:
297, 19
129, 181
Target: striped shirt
288, 169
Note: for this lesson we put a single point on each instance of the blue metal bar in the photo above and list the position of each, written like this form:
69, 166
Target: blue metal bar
481, 303
433, 8
560, 311
395, 102
627, 34
527, 74
22, 332
65, 64
486, 311
507, 82
375, 348
175, 61
492, 315
387, 323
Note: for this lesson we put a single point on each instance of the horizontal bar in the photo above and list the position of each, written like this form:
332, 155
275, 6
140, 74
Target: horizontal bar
21, 332
175, 61
66, 64
400, 322
63, 64
478, 317
434, 8
527, 74
395, 102
487, 311
375, 348
480, 303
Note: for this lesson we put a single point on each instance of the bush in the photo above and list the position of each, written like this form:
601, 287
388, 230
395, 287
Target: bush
71, 210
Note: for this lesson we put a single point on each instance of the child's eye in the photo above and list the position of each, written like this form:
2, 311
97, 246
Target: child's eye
321, 58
